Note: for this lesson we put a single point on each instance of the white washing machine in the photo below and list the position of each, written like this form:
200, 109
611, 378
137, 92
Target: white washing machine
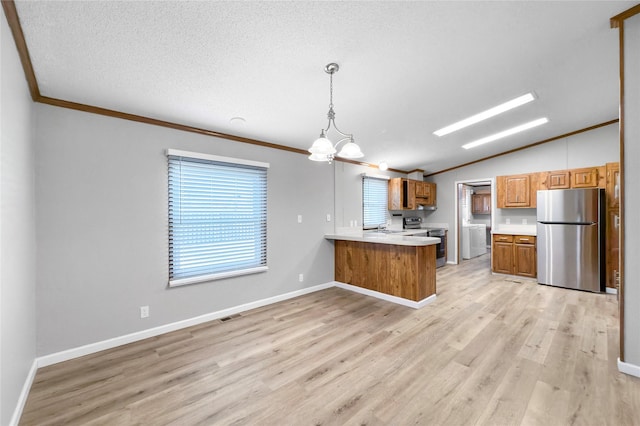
474, 240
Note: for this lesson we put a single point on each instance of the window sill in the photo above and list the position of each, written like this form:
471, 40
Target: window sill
212, 277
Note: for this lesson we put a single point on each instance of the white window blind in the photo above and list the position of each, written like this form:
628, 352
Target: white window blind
374, 202
217, 217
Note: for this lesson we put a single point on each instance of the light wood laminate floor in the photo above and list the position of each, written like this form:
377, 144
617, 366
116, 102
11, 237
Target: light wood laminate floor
490, 350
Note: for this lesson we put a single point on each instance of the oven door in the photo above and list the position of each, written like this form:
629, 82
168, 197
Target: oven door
440, 247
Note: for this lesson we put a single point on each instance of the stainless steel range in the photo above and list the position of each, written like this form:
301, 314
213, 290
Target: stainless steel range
414, 222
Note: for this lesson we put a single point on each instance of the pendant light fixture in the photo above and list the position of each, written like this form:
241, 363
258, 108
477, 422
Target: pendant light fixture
323, 149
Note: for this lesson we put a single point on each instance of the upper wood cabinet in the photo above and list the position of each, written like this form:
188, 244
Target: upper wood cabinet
425, 193
481, 204
588, 177
395, 196
584, 178
560, 179
408, 194
517, 191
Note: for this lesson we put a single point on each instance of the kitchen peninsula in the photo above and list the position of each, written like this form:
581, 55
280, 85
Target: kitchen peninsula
395, 264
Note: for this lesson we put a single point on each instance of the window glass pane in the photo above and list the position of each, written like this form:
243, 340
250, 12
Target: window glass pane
374, 202
217, 217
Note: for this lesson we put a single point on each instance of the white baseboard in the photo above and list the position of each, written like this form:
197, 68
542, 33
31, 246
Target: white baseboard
387, 297
22, 399
66, 355
610, 290
630, 369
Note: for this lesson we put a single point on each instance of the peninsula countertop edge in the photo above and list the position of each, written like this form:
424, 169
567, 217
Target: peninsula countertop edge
399, 239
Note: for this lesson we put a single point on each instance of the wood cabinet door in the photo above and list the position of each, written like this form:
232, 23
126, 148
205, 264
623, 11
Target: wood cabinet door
525, 260
425, 193
584, 178
517, 191
502, 254
613, 185
559, 180
502, 257
395, 194
432, 193
476, 204
486, 203
410, 196
481, 203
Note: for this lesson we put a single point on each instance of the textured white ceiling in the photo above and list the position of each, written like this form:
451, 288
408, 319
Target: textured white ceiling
406, 68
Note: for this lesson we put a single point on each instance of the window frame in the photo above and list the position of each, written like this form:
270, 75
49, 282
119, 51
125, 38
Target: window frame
180, 155
384, 203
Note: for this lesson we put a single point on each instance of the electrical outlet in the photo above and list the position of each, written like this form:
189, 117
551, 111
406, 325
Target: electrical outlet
299, 218
144, 311
301, 277
524, 221
328, 217
508, 221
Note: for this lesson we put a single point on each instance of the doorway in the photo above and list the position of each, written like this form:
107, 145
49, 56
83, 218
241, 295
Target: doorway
475, 202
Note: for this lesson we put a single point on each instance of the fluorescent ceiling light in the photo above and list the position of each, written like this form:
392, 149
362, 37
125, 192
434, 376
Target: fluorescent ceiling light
507, 132
513, 103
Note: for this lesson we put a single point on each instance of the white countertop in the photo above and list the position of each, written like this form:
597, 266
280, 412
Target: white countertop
403, 238
515, 230
427, 225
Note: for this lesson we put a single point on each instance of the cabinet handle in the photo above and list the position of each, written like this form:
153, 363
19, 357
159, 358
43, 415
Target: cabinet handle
616, 221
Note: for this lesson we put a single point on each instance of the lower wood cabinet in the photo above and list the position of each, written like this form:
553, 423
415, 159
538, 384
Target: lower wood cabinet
514, 255
408, 272
502, 254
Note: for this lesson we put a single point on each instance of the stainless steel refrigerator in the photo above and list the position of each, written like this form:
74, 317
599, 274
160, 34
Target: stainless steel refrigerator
570, 238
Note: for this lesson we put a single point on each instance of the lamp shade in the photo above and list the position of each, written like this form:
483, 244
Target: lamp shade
322, 146
319, 157
350, 150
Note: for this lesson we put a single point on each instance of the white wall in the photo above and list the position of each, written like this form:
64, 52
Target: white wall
348, 191
17, 230
101, 190
631, 193
593, 148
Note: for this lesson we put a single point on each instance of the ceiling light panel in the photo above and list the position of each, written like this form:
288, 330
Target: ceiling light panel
491, 112
508, 132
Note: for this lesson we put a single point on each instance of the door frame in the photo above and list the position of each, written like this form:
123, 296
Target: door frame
457, 222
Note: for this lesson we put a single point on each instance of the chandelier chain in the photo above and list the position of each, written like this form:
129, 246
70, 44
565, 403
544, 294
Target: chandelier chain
331, 90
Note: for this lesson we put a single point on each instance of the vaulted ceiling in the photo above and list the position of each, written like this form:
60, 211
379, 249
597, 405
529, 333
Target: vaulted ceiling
406, 68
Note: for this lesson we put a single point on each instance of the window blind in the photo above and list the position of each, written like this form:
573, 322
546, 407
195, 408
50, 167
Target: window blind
217, 219
374, 202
